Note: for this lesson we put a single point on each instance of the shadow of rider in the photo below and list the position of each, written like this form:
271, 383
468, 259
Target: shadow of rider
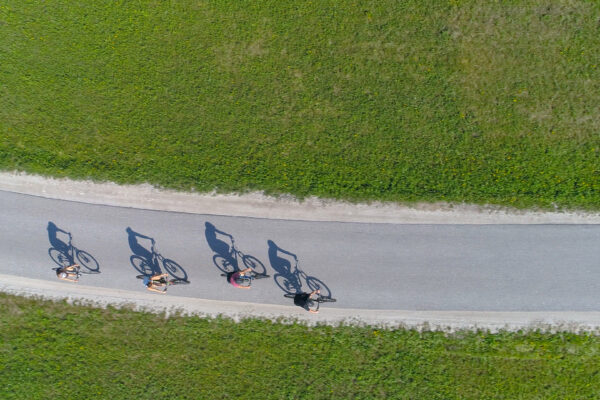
282, 265
219, 246
57, 243
140, 250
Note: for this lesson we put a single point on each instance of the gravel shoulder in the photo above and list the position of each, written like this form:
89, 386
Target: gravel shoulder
448, 321
258, 205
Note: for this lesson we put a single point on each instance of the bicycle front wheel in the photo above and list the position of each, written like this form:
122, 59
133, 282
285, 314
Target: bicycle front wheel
326, 300
179, 282
260, 276
317, 284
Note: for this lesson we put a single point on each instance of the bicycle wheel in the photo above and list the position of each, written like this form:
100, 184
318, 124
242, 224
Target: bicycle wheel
88, 262
60, 258
142, 265
285, 284
260, 276
178, 282
223, 264
174, 269
255, 264
290, 295
326, 300
314, 284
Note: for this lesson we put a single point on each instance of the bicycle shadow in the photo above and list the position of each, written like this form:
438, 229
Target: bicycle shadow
224, 257
148, 262
227, 256
291, 279
65, 254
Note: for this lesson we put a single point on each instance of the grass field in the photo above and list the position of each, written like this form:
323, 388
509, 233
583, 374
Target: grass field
57, 351
417, 100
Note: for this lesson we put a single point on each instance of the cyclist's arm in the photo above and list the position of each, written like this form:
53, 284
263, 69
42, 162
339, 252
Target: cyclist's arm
60, 230
71, 267
224, 233
245, 270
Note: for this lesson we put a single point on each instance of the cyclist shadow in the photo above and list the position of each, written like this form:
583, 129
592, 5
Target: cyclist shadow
224, 257
65, 254
227, 255
148, 262
291, 279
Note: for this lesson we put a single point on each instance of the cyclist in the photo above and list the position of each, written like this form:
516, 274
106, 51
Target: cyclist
235, 278
68, 274
306, 301
154, 282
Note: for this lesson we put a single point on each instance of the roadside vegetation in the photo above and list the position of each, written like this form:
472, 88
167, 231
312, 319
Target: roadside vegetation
59, 351
374, 100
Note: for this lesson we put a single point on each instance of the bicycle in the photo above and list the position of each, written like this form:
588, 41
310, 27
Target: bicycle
147, 267
225, 265
318, 300
72, 273
167, 282
246, 279
291, 283
84, 258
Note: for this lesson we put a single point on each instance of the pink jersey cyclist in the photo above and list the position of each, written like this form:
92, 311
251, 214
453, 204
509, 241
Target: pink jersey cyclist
233, 278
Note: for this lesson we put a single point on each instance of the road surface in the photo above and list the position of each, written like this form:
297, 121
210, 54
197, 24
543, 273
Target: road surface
364, 265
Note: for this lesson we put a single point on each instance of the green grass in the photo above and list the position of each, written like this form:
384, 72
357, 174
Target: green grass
58, 351
416, 100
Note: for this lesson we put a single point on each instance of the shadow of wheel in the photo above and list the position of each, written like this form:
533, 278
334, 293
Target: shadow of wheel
86, 260
255, 264
174, 270
223, 264
289, 286
142, 265
60, 258
314, 284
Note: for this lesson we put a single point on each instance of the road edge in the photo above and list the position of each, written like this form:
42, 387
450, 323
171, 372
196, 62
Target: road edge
258, 205
446, 321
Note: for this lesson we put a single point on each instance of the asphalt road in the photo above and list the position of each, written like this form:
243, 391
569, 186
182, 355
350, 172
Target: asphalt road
371, 266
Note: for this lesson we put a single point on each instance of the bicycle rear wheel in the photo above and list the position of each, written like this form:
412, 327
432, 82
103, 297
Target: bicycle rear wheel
286, 284
60, 258
174, 269
142, 265
290, 295
87, 261
223, 264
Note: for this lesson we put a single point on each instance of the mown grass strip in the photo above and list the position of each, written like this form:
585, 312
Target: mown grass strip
391, 100
55, 350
